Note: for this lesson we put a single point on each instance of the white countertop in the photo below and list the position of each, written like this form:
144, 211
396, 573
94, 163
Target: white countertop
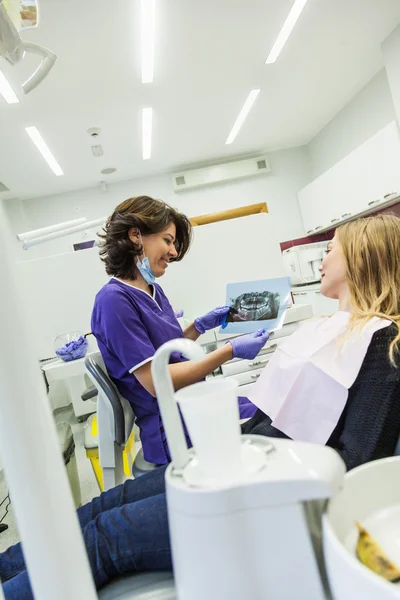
61, 370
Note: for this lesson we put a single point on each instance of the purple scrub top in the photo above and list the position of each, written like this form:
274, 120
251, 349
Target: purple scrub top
130, 325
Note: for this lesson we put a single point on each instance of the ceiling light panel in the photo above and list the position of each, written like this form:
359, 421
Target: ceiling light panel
286, 30
148, 39
6, 90
44, 150
251, 98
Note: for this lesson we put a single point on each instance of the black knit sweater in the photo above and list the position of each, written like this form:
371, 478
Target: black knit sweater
369, 426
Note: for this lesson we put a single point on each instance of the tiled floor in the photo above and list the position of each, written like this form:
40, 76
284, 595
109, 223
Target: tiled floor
89, 487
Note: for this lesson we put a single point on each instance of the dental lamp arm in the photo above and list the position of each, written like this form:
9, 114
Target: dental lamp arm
49, 59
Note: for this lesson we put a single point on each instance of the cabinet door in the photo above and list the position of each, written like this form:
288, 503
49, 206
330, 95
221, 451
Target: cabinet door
245, 390
355, 184
321, 203
246, 377
304, 298
378, 162
306, 209
321, 305
324, 306
314, 207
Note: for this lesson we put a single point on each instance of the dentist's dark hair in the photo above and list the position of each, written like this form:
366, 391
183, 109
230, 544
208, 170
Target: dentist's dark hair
150, 216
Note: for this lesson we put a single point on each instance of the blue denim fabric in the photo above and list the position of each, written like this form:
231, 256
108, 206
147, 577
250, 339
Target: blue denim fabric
125, 531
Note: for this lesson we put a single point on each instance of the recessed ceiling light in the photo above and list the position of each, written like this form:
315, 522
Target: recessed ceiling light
286, 30
242, 115
147, 124
44, 150
148, 39
108, 171
6, 90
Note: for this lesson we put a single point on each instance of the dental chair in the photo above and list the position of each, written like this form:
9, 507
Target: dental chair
115, 421
115, 424
158, 585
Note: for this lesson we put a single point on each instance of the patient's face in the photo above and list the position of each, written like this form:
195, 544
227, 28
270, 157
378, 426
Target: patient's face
333, 271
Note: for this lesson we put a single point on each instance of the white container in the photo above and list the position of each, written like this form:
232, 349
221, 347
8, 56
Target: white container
211, 413
368, 490
211, 524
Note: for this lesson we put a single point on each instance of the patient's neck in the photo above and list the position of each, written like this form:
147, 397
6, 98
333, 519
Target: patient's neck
344, 299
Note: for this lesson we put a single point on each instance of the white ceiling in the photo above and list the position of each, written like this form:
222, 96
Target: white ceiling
209, 54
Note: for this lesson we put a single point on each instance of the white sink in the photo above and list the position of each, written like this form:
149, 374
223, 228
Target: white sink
371, 495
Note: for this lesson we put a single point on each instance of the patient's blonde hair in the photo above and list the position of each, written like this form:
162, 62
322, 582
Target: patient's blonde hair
371, 248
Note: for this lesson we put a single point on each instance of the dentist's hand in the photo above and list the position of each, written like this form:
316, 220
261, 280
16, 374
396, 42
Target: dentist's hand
248, 346
212, 319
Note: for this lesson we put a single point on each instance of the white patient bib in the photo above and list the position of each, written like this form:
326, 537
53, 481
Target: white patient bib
304, 387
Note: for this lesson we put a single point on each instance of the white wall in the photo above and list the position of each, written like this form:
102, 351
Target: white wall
391, 58
360, 119
289, 173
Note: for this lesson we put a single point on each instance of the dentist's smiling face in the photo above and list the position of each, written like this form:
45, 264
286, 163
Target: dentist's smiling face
333, 271
160, 249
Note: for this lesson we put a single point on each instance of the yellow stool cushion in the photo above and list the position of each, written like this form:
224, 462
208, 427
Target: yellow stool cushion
92, 450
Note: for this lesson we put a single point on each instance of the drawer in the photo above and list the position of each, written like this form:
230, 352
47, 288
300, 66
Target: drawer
247, 377
241, 366
245, 390
238, 365
285, 330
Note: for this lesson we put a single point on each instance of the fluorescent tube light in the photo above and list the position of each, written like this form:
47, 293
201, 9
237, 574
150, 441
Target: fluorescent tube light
242, 115
286, 30
148, 35
27, 235
147, 123
44, 150
6, 90
28, 243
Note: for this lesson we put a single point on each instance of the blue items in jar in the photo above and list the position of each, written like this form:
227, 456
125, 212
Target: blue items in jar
73, 346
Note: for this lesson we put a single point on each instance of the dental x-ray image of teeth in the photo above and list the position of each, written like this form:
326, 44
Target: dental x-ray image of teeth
256, 304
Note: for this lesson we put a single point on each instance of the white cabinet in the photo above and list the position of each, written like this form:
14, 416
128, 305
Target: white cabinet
312, 208
324, 203
355, 184
321, 305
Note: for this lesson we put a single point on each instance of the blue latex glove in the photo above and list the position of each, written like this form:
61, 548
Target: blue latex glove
73, 350
212, 319
248, 346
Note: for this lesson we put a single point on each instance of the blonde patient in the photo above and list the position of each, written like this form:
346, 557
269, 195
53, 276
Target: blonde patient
341, 377
336, 381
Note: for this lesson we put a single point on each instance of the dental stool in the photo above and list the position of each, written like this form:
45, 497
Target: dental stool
158, 585
109, 437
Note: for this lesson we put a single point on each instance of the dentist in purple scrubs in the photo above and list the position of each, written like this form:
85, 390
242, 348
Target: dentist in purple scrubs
132, 316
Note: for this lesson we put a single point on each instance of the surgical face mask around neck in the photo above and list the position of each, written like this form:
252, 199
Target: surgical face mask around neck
144, 268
